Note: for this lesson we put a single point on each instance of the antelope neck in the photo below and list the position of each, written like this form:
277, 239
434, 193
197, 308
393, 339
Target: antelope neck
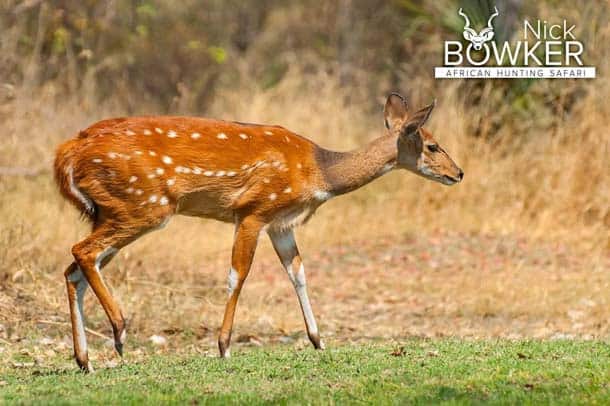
348, 171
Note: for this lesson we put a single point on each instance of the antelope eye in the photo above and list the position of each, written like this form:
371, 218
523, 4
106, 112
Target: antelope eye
432, 147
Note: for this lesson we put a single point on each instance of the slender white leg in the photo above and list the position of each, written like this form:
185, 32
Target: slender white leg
78, 281
287, 250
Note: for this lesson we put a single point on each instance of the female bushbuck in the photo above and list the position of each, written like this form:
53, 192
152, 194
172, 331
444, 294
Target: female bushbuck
130, 175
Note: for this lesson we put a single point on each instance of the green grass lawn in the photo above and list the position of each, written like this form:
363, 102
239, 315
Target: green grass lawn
415, 372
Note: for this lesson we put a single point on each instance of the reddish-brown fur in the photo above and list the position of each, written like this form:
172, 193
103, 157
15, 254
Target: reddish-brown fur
130, 175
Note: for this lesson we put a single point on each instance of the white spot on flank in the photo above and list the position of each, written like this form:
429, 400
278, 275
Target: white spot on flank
129, 190
96, 161
166, 159
152, 153
138, 152
147, 132
220, 173
272, 196
158, 130
244, 167
208, 173
172, 134
153, 199
299, 166
163, 201
222, 136
268, 133
182, 169
287, 139
276, 163
197, 170
139, 192
151, 176
288, 190
171, 182
133, 179
129, 132
231, 173
195, 136
243, 136
266, 180
159, 171
112, 155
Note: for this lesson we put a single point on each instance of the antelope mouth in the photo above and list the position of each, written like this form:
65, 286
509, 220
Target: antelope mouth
448, 180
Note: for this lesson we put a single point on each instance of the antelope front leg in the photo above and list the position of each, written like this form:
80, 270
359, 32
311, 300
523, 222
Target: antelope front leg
286, 249
246, 239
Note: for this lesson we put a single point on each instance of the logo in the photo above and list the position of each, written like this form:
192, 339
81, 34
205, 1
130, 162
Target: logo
482, 37
544, 50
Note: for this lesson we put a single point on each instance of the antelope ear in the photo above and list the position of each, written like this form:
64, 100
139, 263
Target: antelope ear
395, 110
418, 119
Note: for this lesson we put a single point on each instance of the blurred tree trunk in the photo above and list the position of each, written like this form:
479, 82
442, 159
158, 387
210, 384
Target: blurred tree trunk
347, 41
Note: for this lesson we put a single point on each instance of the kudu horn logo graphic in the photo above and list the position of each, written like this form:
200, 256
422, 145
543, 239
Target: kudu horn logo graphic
486, 34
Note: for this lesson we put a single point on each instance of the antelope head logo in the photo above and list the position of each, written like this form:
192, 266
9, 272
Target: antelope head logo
478, 39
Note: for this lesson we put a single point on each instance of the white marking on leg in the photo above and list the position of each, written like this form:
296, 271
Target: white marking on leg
109, 251
322, 195
231, 281
81, 287
300, 285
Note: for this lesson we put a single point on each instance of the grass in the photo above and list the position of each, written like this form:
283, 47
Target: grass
415, 372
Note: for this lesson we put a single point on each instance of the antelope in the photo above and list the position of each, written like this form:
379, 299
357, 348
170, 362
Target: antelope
128, 176
486, 34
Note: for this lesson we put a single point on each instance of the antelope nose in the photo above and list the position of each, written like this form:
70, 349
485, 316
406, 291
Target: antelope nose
461, 174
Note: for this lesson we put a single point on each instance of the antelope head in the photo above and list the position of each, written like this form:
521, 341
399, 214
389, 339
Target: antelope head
478, 39
418, 151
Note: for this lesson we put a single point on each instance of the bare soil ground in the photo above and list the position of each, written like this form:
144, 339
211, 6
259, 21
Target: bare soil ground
442, 284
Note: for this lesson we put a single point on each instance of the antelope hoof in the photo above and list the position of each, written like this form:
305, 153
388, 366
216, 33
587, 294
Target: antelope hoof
85, 365
119, 339
316, 341
223, 347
